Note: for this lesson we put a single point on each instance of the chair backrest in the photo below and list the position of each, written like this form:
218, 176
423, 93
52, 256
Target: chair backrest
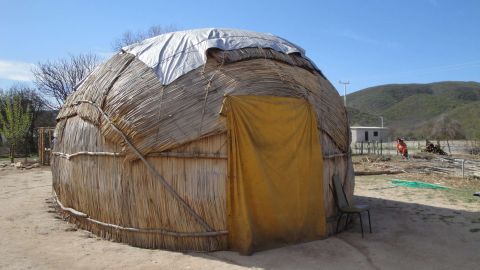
340, 196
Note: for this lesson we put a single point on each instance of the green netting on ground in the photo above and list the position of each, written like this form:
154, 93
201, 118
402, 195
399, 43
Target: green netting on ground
415, 184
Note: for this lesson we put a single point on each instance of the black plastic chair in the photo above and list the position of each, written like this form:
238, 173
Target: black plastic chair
344, 206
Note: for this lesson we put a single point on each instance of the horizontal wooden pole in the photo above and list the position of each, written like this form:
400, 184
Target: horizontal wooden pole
86, 153
334, 155
71, 210
130, 229
152, 169
166, 154
377, 172
187, 155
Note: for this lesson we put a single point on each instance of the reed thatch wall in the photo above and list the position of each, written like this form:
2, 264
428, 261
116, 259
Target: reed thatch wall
146, 164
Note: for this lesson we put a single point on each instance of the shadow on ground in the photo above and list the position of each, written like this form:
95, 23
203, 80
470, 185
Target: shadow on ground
405, 235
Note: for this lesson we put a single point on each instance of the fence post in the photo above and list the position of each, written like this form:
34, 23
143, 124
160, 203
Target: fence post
463, 168
361, 148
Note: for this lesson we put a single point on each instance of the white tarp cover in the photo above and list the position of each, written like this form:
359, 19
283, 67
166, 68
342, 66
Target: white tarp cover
174, 54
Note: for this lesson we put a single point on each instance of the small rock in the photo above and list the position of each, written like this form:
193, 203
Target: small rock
19, 165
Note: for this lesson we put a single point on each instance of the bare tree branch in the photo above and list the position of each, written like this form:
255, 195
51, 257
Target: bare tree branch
130, 37
57, 79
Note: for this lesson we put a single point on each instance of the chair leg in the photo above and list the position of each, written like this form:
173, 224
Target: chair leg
346, 222
361, 223
369, 222
338, 221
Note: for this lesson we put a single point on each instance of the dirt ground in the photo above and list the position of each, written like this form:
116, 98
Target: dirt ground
412, 229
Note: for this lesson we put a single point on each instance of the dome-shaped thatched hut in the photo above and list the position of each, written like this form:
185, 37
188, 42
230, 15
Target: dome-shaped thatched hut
203, 140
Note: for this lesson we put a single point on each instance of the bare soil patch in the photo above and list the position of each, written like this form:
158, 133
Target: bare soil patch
412, 228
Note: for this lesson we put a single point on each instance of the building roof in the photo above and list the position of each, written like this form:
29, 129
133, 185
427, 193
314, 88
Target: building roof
368, 127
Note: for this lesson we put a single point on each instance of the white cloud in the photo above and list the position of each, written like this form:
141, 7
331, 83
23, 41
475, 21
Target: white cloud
15, 70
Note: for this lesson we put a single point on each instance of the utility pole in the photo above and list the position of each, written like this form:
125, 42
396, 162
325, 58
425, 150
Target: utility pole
345, 91
381, 119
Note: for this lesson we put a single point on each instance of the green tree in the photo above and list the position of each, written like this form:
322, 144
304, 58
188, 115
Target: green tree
41, 115
14, 121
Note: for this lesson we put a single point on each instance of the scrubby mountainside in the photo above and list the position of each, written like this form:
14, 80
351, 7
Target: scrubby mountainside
414, 109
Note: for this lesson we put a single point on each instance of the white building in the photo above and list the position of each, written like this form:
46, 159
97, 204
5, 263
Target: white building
369, 134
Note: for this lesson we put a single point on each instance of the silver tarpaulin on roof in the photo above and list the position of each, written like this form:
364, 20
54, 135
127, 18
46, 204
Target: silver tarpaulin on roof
174, 54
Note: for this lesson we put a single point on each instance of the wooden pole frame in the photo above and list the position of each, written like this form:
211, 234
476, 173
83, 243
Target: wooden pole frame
45, 144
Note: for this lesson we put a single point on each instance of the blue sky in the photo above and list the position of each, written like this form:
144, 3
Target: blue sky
367, 42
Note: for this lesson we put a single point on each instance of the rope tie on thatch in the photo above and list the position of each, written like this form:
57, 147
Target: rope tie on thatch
116, 77
164, 182
281, 76
272, 63
118, 227
207, 89
160, 104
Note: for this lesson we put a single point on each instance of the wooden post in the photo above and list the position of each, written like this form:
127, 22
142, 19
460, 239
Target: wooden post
50, 146
45, 135
39, 145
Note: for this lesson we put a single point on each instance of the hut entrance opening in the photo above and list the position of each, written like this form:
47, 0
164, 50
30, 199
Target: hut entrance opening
275, 193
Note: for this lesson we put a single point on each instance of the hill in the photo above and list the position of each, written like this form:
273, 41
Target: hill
413, 109
357, 117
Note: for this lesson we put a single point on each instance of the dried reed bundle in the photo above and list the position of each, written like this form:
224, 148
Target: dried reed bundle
121, 121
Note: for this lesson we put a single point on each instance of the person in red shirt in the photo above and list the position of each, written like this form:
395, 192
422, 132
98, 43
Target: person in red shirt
402, 148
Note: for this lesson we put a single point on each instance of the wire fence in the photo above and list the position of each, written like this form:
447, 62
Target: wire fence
463, 161
471, 147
